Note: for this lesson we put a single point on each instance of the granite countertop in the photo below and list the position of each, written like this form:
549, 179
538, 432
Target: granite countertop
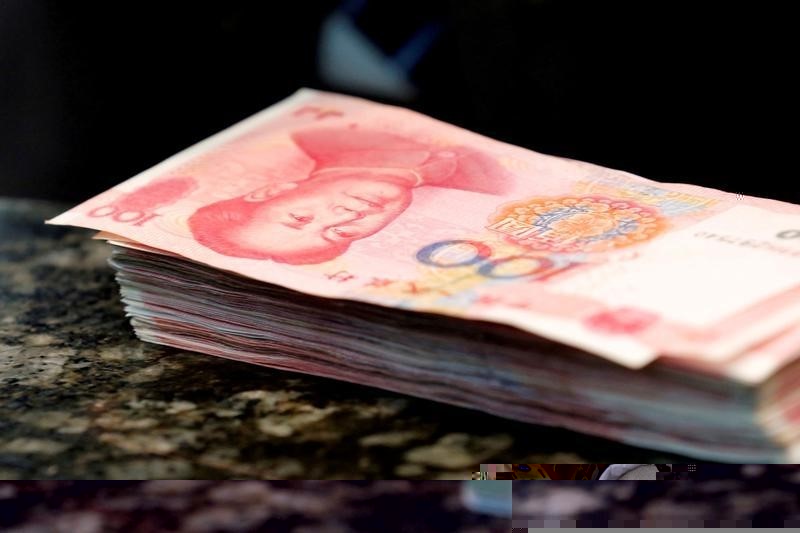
239, 506
82, 397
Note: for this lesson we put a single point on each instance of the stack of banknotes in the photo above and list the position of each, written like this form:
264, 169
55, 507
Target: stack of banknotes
368, 243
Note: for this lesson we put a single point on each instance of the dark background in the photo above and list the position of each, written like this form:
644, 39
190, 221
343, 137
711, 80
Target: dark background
91, 93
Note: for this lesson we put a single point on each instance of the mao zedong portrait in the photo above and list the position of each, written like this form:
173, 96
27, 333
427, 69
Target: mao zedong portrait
361, 181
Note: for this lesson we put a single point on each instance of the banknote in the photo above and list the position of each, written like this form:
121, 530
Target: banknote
481, 365
753, 366
343, 198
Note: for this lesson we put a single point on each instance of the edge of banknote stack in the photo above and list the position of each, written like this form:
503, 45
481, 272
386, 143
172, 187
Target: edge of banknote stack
482, 365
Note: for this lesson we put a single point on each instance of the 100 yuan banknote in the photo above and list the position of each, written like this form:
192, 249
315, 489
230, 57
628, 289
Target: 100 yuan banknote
344, 198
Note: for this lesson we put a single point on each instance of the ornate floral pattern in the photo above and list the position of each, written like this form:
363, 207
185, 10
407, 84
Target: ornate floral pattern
574, 224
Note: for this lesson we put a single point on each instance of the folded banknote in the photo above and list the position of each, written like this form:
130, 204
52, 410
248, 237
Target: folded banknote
340, 237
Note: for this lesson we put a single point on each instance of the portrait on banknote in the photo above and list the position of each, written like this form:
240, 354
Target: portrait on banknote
361, 181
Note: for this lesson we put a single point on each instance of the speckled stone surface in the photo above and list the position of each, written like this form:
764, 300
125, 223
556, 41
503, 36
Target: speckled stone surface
240, 506
81, 397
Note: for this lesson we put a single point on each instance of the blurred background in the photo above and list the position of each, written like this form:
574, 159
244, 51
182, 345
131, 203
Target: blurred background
717, 496
91, 93
241, 506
